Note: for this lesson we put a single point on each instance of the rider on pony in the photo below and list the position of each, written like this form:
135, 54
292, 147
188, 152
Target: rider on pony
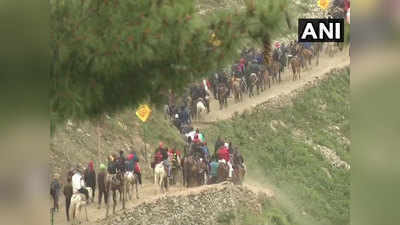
162, 156
133, 165
112, 164
224, 157
121, 166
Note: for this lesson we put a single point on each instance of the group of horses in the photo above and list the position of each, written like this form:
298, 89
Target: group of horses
295, 57
122, 183
194, 171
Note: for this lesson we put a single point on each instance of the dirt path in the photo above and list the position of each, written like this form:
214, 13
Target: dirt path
286, 86
147, 193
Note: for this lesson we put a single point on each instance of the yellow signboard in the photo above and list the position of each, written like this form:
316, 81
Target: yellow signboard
214, 40
143, 112
323, 4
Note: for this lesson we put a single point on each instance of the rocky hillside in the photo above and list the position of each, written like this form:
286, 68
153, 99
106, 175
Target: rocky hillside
216, 204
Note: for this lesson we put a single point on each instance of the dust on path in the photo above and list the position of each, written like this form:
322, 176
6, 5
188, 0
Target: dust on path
326, 63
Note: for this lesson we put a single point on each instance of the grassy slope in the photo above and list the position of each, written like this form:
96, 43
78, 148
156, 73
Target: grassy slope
78, 144
296, 171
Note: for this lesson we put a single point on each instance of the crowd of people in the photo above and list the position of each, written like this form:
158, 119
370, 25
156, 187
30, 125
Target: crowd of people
85, 181
253, 71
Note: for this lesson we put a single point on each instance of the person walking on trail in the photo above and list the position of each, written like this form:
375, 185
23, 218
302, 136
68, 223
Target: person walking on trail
224, 157
90, 178
55, 187
68, 191
101, 183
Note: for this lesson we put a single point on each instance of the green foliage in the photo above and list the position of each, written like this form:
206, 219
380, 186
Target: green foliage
157, 129
305, 181
109, 54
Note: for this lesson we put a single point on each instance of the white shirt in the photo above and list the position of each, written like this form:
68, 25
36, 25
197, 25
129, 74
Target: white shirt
77, 182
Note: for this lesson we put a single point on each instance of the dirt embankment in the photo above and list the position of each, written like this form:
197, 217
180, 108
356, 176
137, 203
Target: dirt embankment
202, 205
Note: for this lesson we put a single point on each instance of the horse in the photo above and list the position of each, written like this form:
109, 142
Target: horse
90, 193
175, 168
275, 70
116, 183
239, 168
237, 92
78, 201
265, 76
283, 59
194, 171
222, 96
239, 172
200, 108
243, 85
305, 54
161, 177
295, 64
131, 180
253, 82
331, 49
223, 172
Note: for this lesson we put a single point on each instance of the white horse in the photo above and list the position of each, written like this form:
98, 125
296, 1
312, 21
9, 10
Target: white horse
78, 201
131, 179
90, 193
160, 177
200, 108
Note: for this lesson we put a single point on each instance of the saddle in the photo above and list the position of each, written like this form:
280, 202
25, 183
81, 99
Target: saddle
115, 180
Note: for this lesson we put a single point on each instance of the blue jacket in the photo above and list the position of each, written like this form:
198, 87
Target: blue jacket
307, 45
214, 168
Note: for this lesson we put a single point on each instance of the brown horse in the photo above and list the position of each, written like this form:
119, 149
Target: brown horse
223, 172
114, 183
194, 171
239, 172
237, 92
275, 70
266, 79
307, 55
296, 67
222, 96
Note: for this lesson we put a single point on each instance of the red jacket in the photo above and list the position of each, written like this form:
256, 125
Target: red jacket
223, 153
158, 157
